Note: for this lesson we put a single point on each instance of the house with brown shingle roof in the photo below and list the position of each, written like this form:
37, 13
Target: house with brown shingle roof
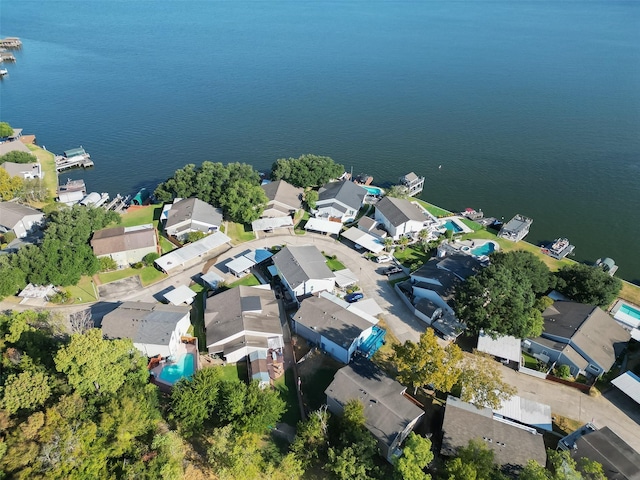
125, 245
284, 199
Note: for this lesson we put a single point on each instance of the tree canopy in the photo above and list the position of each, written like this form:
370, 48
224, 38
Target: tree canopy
586, 284
234, 187
17, 157
306, 170
416, 455
562, 467
473, 462
504, 298
9, 186
481, 382
5, 130
427, 363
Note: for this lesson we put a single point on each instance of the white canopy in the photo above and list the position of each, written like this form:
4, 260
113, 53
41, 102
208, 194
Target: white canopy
180, 295
322, 225
368, 241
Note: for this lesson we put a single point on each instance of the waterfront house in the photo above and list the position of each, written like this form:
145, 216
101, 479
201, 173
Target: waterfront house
582, 336
19, 219
27, 171
516, 229
187, 215
303, 270
340, 201
401, 217
412, 184
371, 227
242, 320
9, 144
284, 199
513, 444
154, 328
389, 414
125, 245
335, 329
618, 459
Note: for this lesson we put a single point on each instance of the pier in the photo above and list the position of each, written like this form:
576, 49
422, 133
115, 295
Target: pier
10, 42
7, 57
118, 204
74, 158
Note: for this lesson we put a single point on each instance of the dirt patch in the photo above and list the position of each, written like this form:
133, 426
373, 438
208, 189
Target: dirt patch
115, 290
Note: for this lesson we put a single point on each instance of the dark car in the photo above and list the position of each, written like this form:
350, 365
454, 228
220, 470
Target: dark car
392, 270
354, 297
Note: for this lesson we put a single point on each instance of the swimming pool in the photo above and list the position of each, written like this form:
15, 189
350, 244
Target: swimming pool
629, 310
484, 249
453, 226
374, 191
184, 367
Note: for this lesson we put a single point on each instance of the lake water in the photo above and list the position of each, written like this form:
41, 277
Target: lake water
528, 107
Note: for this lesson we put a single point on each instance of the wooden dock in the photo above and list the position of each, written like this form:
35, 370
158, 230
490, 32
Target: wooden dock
80, 161
118, 204
10, 42
7, 57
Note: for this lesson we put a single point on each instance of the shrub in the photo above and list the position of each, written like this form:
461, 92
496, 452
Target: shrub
107, 263
563, 371
149, 258
138, 265
194, 236
60, 296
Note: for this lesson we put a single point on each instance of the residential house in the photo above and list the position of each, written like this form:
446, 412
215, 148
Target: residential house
618, 459
284, 199
584, 337
154, 328
303, 270
340, 201
193, 253
461, 265
27, 171
242, 320
187, 215
389, 414
372, 227
332, 327
513, 444
125, 245
412, 183
19, 219
14, 146
401, 217
516, 229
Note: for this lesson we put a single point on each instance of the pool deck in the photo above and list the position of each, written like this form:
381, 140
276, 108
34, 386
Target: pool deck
182, 350
621, 317
457, 221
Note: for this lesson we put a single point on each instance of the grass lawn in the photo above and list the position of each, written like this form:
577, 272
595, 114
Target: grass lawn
475, 226
248, 281
83, 292
299, 228
529, 361
239, 233
411, 254
166, 245
334, 265
630, 292
235, 372
142, 215
48, 163
286, 386
433, 209
148, 275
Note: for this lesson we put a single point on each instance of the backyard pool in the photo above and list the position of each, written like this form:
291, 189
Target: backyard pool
628, 314
374, 191
184, 367
484, 249
453, 226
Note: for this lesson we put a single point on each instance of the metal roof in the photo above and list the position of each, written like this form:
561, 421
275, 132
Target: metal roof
345, 277
180, 295
629, 383
180, 256
367, 241
270, 223
526, 411
321, 225
502, 346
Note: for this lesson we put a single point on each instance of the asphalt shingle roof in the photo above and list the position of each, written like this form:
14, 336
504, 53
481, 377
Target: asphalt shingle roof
193, 209
299, 264
344, 192
399, 211
121, 239
12, 213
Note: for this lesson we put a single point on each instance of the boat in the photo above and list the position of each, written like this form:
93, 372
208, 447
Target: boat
558, 249
3, 72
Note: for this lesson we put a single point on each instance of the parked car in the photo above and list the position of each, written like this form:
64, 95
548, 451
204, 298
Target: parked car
393, 269
354, 297
383, 259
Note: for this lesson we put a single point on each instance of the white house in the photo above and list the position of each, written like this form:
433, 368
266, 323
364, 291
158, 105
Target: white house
303, 270
241, 321
19, 219
340, 201
125, 245
401, 217
332, 327
187, 215
155, 328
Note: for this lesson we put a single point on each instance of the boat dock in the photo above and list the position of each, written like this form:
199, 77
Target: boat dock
558, 249
74, 158
7, 57
118, 204
10, 42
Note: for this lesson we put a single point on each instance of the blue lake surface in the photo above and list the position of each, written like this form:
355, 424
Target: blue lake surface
529, 107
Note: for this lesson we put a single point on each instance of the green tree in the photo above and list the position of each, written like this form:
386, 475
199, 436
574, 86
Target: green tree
262, 409
586, 284
94, 365
18, 156
482, 382
9, 186
416, 455
528, 266
107, 264
33, 190
403, 242
427, 363
500, 301
191, 237
563, 371
473, 462
397, 191
310, 198
312, 437
150, 258
306, 170
12, 278
388, 243
243, 201
25, 391
5, 130
193, 401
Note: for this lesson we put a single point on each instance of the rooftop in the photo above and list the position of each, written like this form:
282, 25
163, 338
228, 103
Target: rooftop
344, 192
285, 193
299, 264
121, 239
193, 209
12, 213
399, 211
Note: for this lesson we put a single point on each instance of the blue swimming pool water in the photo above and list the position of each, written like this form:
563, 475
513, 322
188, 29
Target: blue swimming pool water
451, 225
485, 249
184, 367
374, 190
632, 312
373, 342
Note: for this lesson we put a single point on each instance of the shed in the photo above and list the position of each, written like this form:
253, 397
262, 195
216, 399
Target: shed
240, 266
182, 257
345, 278
180, 295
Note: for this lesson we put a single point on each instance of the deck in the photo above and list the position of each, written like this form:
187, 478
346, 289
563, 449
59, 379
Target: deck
80, 161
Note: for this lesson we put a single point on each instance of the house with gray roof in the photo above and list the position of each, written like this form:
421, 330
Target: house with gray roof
154, 328
125, 245
242, 320
19, 219
389, 414
27, 171
513, 444
332, 327
284, 199
372, 227
401, 217
340, 201
303, 270
187, 215
582, 336
618, 459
